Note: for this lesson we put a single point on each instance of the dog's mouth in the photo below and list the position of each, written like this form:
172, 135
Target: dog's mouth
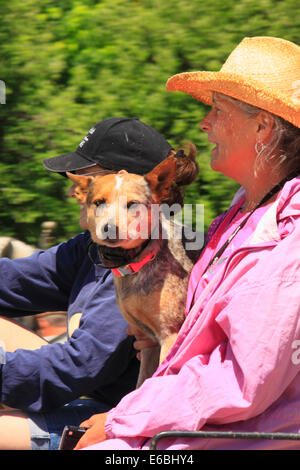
109, 243
115, 257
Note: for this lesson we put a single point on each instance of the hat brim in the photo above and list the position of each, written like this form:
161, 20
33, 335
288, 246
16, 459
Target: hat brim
68, 162
200, 85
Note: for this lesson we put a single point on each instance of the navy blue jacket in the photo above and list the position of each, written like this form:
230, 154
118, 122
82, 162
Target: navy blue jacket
98, 359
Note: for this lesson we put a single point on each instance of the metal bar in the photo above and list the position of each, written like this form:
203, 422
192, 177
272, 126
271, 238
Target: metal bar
223, 435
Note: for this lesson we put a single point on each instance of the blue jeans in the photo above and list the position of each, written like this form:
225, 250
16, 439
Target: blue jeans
46, 428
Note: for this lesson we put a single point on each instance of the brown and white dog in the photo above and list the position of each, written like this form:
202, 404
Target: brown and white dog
146, 252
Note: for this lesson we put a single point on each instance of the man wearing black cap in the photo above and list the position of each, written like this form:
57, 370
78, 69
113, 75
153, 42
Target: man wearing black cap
115, 144
59, 384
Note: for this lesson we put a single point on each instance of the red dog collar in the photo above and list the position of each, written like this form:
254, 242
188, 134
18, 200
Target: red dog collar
132, 267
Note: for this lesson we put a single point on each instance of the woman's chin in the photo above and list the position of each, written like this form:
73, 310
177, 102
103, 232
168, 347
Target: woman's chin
214, 164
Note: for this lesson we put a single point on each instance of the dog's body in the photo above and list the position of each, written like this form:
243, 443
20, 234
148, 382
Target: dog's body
150, 273
153, 299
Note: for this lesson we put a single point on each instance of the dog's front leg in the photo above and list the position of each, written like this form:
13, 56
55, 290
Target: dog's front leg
166, 346
149, 363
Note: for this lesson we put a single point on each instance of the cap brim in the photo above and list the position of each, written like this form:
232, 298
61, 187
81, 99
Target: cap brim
68, 162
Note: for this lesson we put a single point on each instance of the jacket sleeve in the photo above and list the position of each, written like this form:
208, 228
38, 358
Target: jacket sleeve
251, 364
55, 374
42, 281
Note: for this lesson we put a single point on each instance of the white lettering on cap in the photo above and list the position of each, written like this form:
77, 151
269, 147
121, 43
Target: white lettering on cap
86, 138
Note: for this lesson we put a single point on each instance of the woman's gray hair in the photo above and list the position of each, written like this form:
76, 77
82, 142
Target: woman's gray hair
286, 138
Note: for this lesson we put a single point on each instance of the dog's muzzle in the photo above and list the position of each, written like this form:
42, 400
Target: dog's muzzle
110, 232
115, 257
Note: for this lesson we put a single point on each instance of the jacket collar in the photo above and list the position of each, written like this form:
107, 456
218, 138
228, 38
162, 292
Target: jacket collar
267, 228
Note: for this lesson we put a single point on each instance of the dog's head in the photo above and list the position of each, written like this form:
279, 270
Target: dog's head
119, 205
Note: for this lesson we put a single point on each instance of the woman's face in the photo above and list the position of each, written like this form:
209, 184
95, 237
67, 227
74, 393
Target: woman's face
234, 133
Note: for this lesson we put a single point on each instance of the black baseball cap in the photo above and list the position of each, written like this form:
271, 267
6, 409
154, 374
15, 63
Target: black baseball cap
116, 144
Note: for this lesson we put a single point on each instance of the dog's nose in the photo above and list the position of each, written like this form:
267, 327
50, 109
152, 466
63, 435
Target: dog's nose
110, 231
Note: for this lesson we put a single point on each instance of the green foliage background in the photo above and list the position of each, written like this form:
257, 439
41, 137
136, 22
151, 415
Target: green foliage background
70, 64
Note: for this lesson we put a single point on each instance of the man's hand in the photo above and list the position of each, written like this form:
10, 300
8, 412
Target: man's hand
142, 340
95, 432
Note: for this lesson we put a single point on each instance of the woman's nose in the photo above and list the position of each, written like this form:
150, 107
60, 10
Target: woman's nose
205, 123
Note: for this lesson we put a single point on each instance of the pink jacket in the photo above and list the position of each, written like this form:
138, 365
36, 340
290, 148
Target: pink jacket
235, 365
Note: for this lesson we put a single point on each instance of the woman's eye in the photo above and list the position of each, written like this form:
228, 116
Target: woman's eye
99, 202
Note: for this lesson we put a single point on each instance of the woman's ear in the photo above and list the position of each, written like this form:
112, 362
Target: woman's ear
265, 127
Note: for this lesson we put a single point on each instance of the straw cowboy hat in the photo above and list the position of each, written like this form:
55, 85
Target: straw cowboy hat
262, 71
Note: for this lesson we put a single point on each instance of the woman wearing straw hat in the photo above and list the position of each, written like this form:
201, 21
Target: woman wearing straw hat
235, 365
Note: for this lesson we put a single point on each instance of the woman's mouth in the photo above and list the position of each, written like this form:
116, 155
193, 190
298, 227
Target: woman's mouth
216, 145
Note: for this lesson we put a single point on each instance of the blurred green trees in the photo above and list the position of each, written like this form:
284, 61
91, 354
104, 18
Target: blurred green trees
68, 65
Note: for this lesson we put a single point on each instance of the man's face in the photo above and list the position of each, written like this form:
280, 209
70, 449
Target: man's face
92, 170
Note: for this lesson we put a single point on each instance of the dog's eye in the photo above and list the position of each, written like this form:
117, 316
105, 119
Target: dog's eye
99, 202
133, 205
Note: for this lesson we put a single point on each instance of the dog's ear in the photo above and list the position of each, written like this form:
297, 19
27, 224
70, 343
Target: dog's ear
160, 179
82, 185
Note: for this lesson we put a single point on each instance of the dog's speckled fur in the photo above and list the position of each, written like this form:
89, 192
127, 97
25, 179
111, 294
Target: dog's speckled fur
152, 299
